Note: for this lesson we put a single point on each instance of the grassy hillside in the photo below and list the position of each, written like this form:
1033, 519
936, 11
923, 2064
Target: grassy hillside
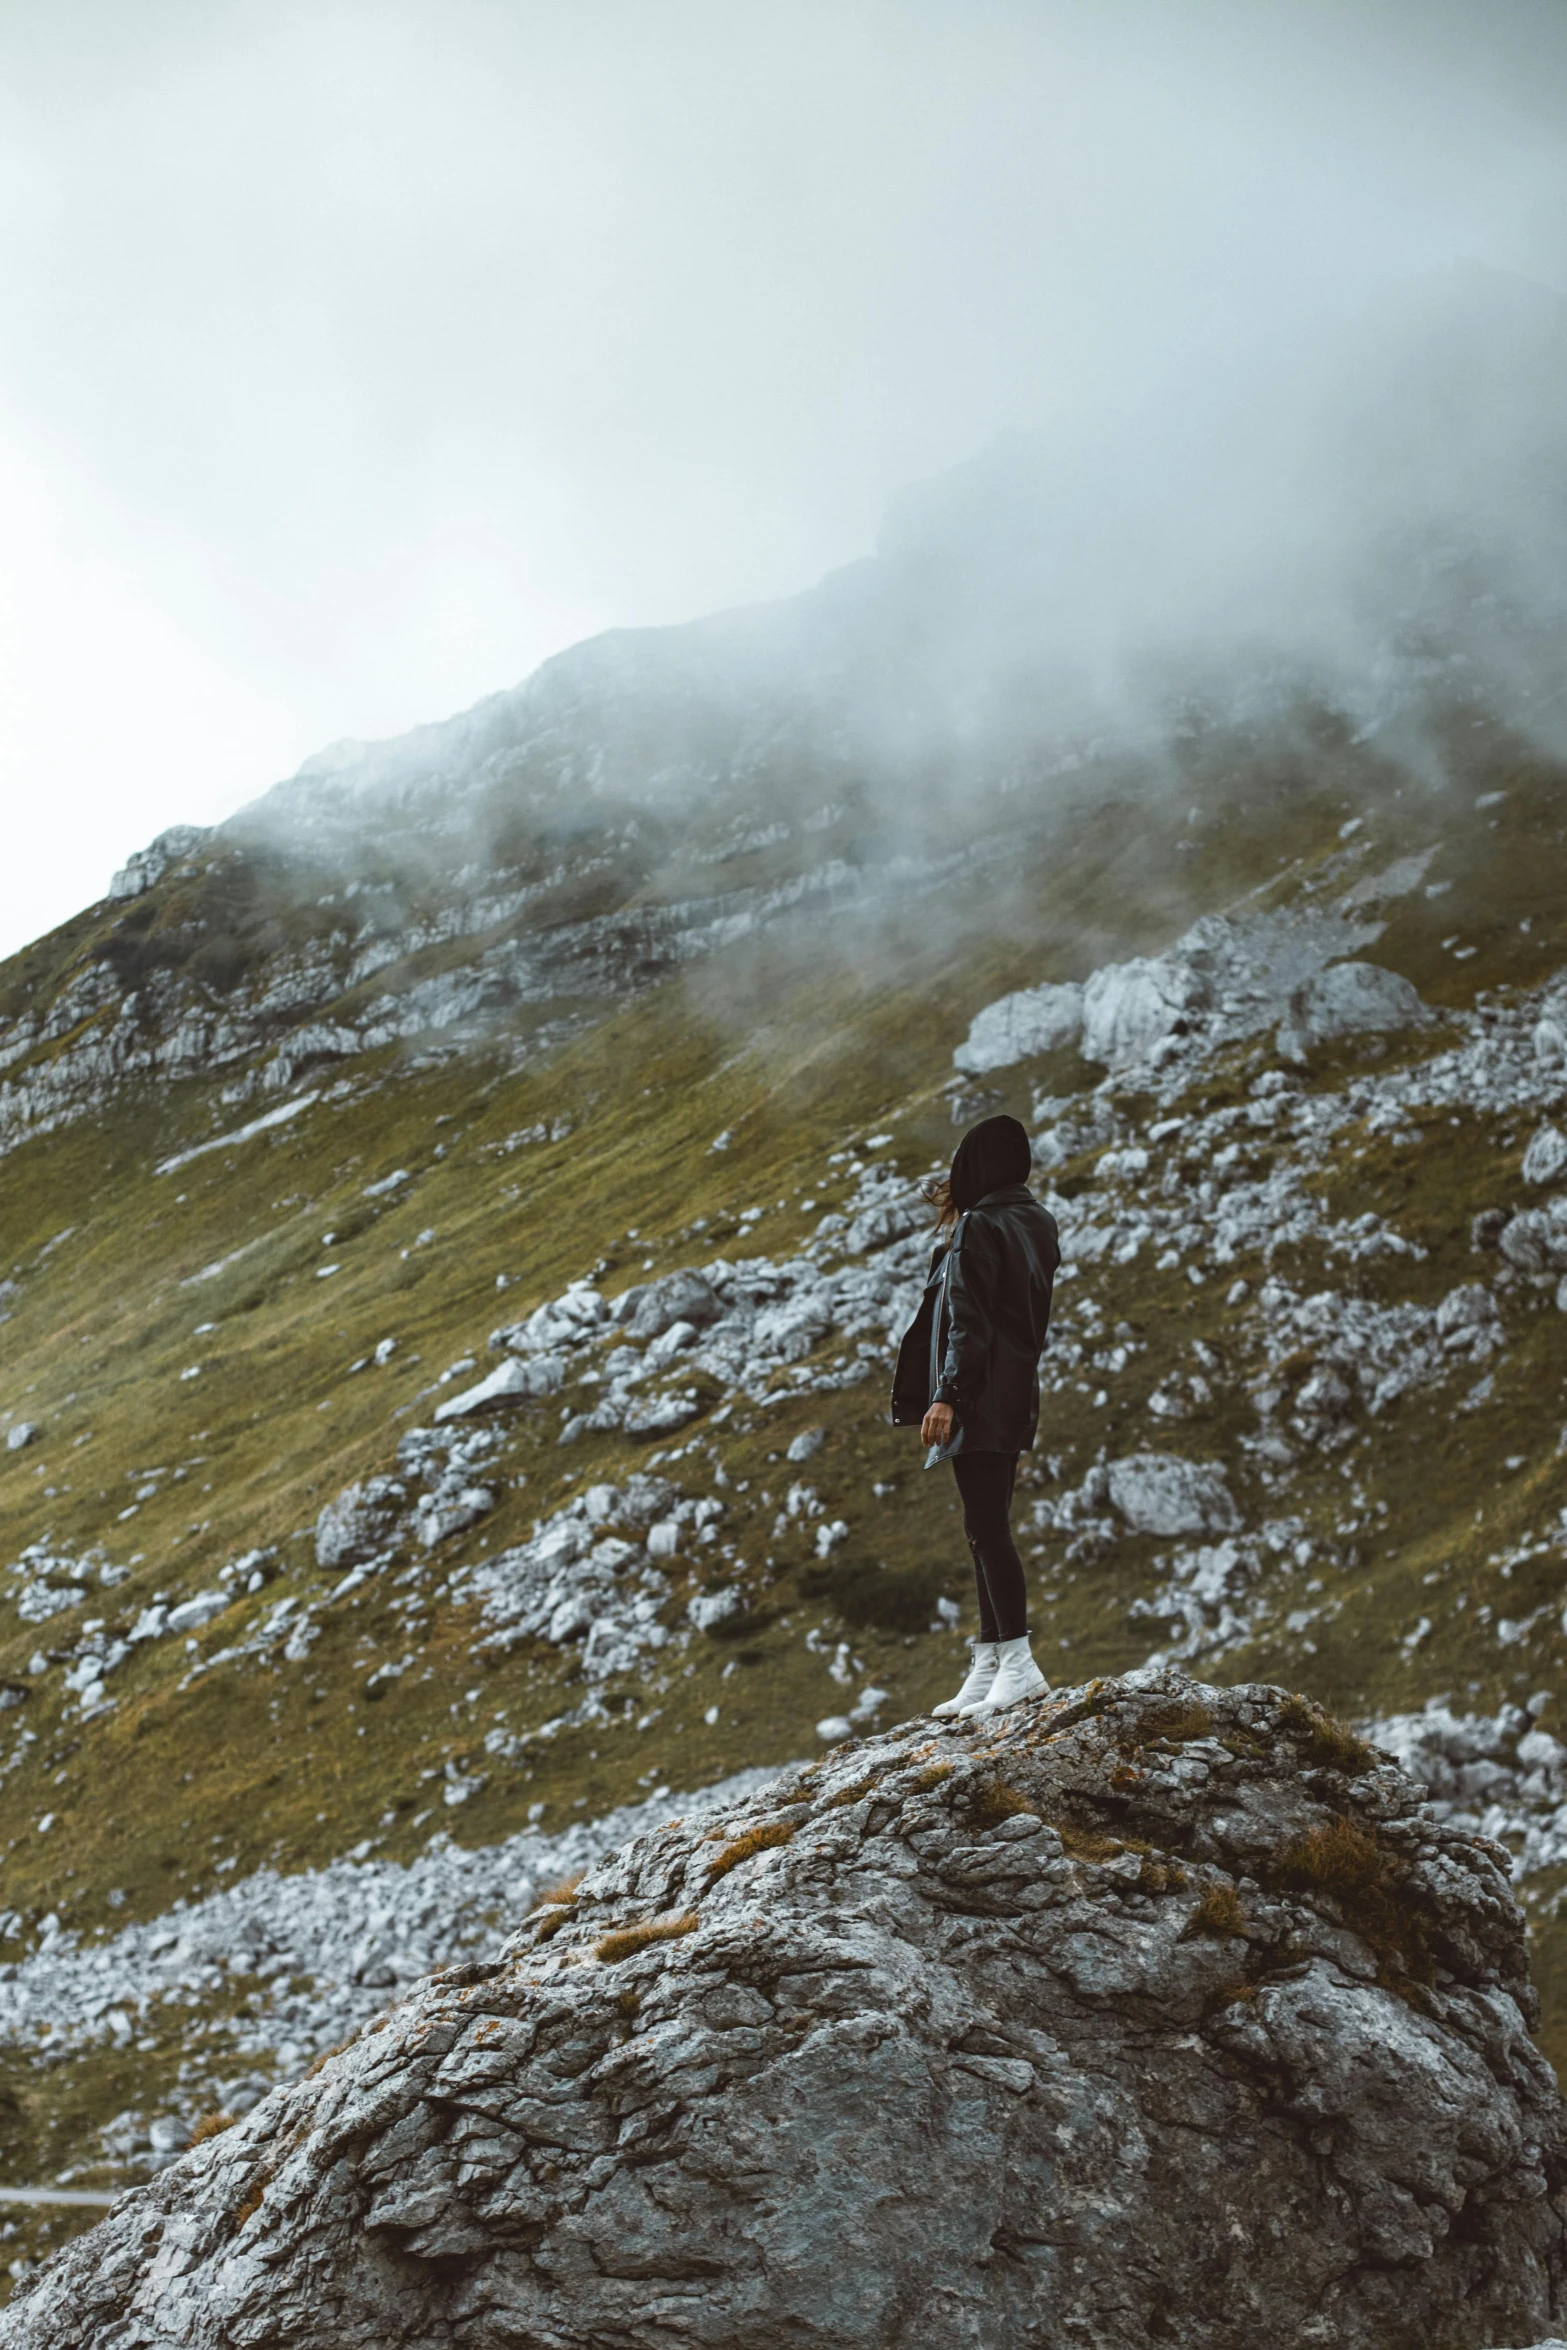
189, 1346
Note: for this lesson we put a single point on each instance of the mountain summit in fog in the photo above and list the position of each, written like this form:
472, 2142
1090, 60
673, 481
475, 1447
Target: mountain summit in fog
1375, 530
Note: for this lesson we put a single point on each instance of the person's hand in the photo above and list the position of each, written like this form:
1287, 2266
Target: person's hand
936, 1427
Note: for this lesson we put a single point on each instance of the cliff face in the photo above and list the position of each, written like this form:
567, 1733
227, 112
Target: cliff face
1156, 2013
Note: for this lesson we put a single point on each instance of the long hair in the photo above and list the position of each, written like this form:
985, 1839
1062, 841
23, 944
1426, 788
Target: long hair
991, 1155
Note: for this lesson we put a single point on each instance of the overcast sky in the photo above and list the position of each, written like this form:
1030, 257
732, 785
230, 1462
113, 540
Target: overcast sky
353, 358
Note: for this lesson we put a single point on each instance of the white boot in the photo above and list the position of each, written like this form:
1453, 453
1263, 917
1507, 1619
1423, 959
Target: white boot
981, 1673
1017, 1677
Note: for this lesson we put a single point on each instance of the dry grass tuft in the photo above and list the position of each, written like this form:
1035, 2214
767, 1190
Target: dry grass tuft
631, 1939
562, 1894
932, 1776
765, 1838
1177, 1721
1326, 1745
212, 2125
1084, 1844
995, 1800
852, 1793
556, 1908
1218, 1914
249, 2204
1369, 1886
1160, 1876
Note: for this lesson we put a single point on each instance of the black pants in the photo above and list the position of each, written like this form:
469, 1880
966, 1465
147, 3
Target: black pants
985, 1482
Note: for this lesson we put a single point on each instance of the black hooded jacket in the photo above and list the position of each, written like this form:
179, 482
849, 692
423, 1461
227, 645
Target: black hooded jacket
976, 1341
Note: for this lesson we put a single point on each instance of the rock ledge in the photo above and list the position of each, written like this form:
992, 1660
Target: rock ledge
1156, 2014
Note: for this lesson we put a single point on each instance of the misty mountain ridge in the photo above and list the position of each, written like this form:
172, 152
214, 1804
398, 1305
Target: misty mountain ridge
1379, 527
1135, 607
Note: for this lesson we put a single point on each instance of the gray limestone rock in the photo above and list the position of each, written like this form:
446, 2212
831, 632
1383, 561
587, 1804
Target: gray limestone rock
660, 1415
1348, 999
1160, 1493
711, 1608
1034, 1020
1467, 1316
1152, 2012
1130, 1008
145, 866
1535, 1241
356, 1525
1546, 1157
517, 1380
683, 1296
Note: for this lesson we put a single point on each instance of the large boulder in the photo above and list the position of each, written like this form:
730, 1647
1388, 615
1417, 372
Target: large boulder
1348, 999
567, 1321
1129, 1009
1151, 2013
1535, 1240
1015, 1027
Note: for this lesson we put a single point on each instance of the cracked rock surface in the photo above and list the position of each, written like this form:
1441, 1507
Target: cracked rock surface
1153, 2013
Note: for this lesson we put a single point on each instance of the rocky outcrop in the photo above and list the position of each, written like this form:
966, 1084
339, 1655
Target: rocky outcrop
1034, 1020
1229, 977
1154, 2013
145, 866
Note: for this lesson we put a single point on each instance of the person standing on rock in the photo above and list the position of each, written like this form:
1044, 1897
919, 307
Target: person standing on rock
968, 1377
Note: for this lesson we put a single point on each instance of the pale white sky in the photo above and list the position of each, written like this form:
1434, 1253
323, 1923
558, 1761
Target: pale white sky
357, 354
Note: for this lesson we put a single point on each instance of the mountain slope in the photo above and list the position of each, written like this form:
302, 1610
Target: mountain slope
600, 1040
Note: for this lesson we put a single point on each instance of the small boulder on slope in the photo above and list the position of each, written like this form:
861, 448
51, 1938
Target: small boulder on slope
1162, 1493
1545, 1160
1153, 2012
518, 1380
1348, 999
681, 1296
358, 1522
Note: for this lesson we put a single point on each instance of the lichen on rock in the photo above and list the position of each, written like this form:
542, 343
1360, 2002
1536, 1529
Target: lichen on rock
1151, 2012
